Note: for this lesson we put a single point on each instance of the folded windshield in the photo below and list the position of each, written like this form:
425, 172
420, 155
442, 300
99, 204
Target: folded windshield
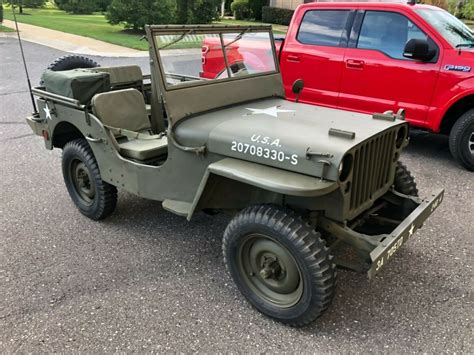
195, 58
452, 29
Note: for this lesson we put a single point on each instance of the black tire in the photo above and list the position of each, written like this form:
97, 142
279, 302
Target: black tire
461, 140
404, 181
93, 197
71, 61
299, 247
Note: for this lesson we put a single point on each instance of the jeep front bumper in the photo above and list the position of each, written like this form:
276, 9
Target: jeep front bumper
377, 250
387, 248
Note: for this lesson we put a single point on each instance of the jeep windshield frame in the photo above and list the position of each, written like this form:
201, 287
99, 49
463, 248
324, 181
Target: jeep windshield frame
176, 34
195, 94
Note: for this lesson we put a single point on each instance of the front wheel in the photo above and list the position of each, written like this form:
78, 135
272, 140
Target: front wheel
93, 197
404, 181
280, 264
461, 140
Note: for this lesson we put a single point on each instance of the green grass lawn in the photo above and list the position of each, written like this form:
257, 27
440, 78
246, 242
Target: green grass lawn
6, 29
93, 26
96, 26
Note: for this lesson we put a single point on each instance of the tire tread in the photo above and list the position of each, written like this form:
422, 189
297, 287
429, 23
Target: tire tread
308, 243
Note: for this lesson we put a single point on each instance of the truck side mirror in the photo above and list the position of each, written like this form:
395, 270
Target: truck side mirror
419, 49
297, 87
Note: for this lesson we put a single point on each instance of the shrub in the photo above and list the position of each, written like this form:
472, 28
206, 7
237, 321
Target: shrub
277, 15
240, 9
255, 7
203, 11
468, 10
1, 12
102, 5
77, 6
135, 14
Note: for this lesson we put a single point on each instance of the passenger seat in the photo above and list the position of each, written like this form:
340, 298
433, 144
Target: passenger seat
125, 110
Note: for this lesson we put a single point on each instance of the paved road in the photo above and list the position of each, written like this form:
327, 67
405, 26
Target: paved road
145, 279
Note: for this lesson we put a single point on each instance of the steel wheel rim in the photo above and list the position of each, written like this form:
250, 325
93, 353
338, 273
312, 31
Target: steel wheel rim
471, 143
82, 181
270, 271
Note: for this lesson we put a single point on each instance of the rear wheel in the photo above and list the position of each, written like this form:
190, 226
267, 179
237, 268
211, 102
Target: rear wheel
93, 197
461, 140
280, 264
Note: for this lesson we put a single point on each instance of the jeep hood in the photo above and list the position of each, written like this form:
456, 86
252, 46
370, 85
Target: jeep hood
298, 137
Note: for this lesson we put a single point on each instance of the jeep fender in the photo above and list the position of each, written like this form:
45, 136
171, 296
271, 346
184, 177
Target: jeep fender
263, 177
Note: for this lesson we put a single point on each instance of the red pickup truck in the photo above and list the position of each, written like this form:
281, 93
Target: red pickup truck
375, 57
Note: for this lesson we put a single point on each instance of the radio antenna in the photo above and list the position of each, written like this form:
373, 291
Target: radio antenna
35, 111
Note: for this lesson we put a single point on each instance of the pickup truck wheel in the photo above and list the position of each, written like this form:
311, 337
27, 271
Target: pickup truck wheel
461, 140
93, 197
404, 181
280, 264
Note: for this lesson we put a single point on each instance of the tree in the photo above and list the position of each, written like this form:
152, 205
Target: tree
25, 3
78, 6
256, 8
197, 11
182, 10
135, 14
203, 11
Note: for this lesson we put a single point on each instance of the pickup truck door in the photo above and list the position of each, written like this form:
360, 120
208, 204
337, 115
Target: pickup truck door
314, 51
376, 77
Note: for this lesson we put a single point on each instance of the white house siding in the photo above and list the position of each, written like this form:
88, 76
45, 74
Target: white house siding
292, 4
286, 4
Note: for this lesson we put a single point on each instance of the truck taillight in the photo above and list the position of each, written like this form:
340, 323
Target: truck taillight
45, 135
204, 51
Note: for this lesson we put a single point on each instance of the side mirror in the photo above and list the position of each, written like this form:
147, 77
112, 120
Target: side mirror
297, 87
419, 49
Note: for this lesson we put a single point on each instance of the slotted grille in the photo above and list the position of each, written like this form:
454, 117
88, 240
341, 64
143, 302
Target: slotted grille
371, 173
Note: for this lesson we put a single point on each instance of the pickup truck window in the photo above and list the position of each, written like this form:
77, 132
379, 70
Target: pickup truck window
387, 32
453, 30
323, 27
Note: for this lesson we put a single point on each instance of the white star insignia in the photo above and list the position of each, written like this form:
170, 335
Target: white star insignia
271, 111
47, 111
412, 229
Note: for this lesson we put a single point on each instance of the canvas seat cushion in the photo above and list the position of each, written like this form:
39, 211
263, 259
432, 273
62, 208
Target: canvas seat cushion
122, 109
143, 149
123, 74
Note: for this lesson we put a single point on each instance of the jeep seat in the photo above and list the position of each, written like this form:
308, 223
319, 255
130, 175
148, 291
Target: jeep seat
125, 109
125, 77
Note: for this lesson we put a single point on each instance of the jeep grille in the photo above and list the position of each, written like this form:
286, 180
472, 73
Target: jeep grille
372, 171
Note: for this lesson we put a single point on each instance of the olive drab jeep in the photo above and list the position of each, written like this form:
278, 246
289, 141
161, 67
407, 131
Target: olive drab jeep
308, 188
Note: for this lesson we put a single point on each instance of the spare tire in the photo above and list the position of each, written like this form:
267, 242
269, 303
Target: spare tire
71, 61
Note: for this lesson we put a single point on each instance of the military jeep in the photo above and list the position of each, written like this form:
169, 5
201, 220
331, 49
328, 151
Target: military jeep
308, 188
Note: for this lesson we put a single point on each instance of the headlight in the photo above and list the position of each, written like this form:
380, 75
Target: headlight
345, 167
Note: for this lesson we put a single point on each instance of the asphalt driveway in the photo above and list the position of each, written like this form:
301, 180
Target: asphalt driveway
145, 279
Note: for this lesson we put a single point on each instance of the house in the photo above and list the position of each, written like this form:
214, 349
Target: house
287, 4
292, 4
